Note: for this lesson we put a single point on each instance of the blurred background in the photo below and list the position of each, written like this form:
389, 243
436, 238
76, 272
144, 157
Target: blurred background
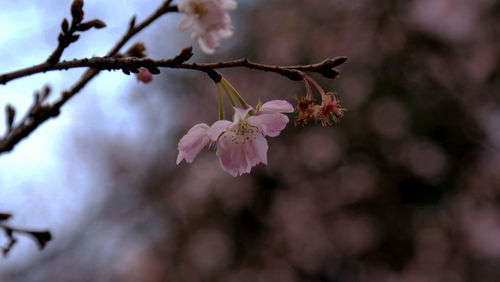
405, 188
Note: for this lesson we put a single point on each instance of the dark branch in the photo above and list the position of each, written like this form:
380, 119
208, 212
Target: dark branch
292, 72
41, 237
106, 63
67, 35
39, 113
134, 29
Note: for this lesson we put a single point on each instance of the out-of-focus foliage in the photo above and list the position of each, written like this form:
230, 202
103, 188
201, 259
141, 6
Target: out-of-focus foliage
405, 188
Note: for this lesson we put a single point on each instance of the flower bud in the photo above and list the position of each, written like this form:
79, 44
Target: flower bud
144, 75
95, 23
46, 91
185, 54
10, 111
329, 73
41, 237
64, 25
5, 216
335, 62
77, 10
137, 50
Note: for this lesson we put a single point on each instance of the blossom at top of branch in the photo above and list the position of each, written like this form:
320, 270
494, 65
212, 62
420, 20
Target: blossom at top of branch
241, 144
209, 19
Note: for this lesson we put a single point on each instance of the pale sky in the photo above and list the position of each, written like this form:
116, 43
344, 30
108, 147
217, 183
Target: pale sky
43, 186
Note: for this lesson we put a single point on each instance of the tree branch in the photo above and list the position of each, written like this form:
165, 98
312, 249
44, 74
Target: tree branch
326, 67
67, 35
41, 237
134, 29
40, 112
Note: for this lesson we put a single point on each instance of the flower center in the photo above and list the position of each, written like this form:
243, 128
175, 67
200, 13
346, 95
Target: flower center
200, 9
244, 133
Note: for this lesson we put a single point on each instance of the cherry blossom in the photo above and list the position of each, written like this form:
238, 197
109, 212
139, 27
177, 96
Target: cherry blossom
241, 144
209, 19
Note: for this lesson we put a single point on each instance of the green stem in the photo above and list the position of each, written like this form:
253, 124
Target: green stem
228, 94
221, 106
236, 94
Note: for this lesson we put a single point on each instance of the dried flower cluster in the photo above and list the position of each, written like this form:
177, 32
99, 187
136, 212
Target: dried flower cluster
307, 110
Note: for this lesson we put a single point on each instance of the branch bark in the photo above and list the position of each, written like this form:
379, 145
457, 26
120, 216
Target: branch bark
107, 63
40, 113
41, 237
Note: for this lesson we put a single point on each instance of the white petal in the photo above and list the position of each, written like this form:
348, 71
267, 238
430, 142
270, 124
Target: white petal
225, 33
206, 46
185, 23
228, 4
183, 5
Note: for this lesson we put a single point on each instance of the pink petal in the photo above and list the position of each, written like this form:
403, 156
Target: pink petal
257, 150
228, 4
217, 128
191, 144
208, 44
240, 114
185, 23
226, 32
271, 124
232, 156
277, 106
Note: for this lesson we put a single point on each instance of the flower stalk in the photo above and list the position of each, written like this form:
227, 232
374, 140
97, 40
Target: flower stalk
228, 94
240, 99
221, 105
329, 110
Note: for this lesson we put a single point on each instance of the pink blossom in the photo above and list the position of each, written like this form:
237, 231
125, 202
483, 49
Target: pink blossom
191, 144
241, 144
209, 19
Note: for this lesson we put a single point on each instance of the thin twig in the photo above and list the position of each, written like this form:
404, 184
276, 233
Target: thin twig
41, 113
134, 29
41, 237
107, 63
292, 72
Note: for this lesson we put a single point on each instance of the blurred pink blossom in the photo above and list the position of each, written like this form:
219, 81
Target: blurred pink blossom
209, 19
